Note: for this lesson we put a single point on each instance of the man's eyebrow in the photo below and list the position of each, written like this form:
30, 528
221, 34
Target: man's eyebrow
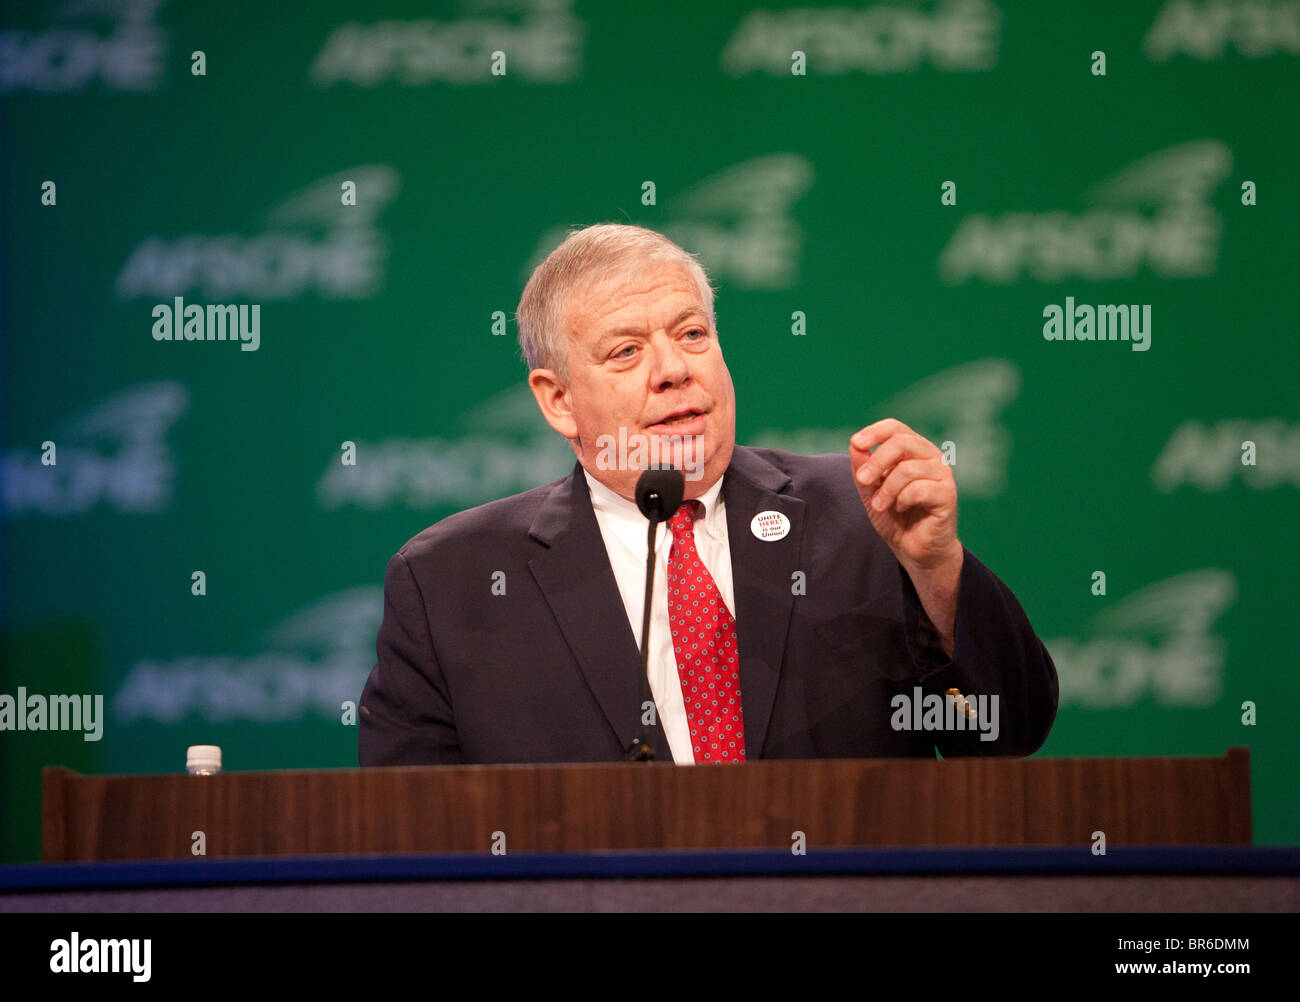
625, 331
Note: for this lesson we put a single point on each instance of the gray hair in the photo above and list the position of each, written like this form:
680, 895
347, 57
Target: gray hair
587, 256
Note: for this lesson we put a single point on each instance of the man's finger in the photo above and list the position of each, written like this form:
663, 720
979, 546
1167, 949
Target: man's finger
921, 493
904, 473
872, 435
893, 451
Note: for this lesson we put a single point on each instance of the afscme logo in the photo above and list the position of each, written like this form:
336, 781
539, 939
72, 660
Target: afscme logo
537, 41
1157, 643
112, 42
1154, 214
950, 36
115, 453
960, 408
317, 240
505, 447
1211, 29
1261, 454
312, 661
739, 221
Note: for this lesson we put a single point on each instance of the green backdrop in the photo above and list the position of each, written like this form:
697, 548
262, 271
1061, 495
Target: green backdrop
811, 185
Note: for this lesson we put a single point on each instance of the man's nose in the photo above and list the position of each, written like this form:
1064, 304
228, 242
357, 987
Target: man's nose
668, 364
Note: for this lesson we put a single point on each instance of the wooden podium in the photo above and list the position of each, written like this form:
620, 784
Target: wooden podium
552, 808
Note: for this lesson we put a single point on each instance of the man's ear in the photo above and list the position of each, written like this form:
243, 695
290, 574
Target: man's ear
553, 399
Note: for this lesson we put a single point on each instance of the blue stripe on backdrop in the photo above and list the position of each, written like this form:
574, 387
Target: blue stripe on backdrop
1201, 860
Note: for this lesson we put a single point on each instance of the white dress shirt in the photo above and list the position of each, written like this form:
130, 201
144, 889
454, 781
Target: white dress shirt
624, 530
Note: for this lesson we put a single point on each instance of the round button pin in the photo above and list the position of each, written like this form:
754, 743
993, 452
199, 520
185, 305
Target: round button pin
769, 526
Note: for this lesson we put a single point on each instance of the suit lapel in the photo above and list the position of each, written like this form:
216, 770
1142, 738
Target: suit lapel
573, 571
762, 574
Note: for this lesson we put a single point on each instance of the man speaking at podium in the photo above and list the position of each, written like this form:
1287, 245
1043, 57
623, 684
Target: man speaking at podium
803, 606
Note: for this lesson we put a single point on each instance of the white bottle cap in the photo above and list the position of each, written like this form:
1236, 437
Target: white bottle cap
203, 757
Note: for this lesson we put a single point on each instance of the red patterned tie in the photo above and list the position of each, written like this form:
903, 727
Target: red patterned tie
704, 642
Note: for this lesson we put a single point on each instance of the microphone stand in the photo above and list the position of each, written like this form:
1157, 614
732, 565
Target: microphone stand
643, 751
659, 493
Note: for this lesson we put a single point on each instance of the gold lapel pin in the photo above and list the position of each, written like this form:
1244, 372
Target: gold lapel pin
956, 696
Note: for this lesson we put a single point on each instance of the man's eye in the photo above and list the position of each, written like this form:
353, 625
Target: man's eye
696, 330
623, 352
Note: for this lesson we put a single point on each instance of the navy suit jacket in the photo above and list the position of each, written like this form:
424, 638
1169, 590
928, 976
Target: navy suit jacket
545, 668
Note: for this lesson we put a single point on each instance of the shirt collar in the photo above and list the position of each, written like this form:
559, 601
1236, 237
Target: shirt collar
624, 518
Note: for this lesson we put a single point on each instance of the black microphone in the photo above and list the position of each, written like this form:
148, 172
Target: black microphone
659, 492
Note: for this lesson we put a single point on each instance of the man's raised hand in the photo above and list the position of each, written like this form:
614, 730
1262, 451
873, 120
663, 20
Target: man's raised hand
909, 493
